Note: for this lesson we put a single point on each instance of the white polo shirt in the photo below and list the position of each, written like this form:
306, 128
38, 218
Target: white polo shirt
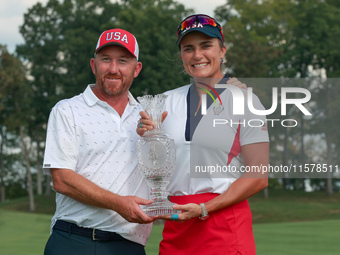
88, 136
197, 141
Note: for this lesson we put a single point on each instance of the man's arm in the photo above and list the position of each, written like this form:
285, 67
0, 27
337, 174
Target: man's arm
72, 184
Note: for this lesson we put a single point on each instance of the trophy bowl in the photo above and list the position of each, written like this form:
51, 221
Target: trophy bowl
156, 158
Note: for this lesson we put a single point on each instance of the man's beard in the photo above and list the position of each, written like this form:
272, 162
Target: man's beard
107, 91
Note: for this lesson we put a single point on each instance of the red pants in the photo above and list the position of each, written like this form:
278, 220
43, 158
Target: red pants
225, 232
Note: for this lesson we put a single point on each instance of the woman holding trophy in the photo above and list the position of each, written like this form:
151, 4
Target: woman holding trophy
208, 185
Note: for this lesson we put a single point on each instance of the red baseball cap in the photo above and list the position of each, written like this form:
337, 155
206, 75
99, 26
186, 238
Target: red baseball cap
120, 37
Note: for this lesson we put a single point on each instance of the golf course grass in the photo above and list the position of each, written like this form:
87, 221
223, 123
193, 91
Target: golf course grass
290, 223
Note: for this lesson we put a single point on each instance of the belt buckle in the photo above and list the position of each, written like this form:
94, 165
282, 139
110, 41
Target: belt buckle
94, 235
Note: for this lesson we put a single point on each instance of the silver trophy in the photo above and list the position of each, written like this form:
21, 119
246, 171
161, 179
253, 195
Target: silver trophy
156, 157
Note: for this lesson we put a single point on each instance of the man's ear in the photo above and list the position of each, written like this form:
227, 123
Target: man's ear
92, 63
138, 69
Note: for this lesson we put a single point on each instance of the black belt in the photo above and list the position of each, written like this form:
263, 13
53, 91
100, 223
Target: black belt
95, 234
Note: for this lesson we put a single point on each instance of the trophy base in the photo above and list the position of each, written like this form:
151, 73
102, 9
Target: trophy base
164, 208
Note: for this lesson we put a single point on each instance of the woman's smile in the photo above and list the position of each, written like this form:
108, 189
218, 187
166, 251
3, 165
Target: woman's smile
202, 55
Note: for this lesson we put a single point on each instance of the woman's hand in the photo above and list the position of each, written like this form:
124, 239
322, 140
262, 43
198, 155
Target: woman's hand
234, 81
145, 124
189, 211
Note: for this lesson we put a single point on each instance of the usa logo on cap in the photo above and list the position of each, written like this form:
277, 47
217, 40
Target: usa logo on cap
118, 37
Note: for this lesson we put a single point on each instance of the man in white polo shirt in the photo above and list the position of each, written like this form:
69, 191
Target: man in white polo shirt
90, 154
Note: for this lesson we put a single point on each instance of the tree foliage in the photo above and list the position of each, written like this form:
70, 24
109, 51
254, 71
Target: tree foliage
15, 114
289, 39
254, 31
60, 39
273, 38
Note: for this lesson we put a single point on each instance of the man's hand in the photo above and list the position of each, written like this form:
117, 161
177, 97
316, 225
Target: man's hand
234, 81
129, 209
